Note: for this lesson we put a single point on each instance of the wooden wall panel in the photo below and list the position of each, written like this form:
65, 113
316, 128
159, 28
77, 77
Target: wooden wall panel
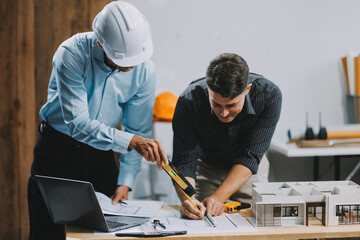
31, 31
26, 115
17, 114
56, 21
8, 108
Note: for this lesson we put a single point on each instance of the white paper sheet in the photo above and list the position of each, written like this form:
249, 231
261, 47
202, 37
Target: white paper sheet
133, 208
174, 222
224, 223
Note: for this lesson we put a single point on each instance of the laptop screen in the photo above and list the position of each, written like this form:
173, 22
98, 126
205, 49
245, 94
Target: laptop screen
74, 202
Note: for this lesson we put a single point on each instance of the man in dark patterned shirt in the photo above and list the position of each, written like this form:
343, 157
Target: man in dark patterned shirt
223, 125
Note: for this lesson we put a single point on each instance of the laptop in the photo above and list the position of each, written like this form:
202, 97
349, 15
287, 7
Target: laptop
74, 203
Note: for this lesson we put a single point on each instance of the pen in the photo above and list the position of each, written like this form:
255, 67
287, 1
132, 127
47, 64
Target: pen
122, 202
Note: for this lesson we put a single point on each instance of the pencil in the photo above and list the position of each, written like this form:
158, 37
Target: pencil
207, 217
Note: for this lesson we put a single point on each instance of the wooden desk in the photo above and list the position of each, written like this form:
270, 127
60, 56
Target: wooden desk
338, 153
315, 230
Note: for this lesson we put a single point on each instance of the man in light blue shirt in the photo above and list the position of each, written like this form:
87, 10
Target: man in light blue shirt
98, 79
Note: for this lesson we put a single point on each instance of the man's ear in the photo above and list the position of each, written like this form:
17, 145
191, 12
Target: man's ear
99, 45
248, 87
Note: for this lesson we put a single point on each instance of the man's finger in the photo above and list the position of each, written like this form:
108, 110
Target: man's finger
188, 205
163, 154
150, 154
192, 215
210, 209
217, 211
202, 209
157, 155
116, 199
160, 159
192, 212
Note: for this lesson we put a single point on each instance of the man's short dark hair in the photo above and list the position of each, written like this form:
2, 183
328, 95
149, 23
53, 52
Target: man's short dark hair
227, 75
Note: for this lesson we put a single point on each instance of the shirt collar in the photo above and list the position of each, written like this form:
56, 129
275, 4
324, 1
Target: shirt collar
248, 107
98, 53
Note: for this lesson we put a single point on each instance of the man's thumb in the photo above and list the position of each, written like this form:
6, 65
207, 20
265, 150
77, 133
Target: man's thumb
115, 200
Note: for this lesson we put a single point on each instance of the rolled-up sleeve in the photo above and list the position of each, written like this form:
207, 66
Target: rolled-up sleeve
254, 146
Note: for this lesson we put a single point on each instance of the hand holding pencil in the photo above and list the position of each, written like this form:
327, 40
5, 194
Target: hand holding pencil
192, 208
191, 211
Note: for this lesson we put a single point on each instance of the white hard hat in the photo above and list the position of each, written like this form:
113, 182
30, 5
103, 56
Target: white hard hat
124, 33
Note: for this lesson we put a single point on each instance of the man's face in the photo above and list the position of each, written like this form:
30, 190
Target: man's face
227, 109
113, 66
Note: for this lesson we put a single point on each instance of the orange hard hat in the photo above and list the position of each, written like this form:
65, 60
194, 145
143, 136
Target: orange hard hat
164, 107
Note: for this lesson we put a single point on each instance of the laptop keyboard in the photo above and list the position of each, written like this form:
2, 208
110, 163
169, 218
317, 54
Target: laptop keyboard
114, 225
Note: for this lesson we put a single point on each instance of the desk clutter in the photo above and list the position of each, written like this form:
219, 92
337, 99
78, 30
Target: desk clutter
328, 143
342, 136
351, 67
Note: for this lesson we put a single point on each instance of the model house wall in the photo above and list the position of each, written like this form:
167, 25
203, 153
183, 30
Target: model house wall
287, 203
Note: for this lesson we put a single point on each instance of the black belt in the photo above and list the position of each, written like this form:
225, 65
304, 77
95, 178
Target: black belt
48, 131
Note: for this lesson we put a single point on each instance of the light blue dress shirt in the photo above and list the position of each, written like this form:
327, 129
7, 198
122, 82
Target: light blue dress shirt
86, 100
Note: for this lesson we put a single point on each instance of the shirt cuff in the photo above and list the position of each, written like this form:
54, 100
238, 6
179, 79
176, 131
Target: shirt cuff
126, 177
121, 141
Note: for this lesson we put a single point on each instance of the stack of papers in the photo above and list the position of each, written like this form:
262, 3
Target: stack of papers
132, 208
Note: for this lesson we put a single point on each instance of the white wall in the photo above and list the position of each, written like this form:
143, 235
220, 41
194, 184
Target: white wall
295, 43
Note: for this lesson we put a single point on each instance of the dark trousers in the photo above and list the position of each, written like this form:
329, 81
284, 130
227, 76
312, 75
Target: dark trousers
59, 155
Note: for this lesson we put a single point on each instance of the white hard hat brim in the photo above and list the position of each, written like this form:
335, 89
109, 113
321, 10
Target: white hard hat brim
135, 60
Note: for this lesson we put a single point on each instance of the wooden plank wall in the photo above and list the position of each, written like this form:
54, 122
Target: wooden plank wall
31, 31
56, 21
17, 116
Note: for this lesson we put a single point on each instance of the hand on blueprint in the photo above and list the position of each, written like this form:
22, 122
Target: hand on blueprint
121, 193
187, 209
150, 149
213, 206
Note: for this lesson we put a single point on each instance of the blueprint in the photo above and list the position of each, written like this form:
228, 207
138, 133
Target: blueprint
224, 223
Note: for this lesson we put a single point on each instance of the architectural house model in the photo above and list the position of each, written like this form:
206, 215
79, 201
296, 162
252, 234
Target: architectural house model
292, 203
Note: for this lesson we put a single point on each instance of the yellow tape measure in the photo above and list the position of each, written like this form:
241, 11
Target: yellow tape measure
231, 207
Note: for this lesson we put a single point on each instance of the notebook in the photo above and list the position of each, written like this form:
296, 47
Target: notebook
74, 203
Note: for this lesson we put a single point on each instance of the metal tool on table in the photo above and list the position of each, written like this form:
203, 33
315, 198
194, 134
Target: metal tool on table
149, 230
186, 187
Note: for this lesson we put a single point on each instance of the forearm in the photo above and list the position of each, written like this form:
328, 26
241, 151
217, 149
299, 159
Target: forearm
180, 193
236, 178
